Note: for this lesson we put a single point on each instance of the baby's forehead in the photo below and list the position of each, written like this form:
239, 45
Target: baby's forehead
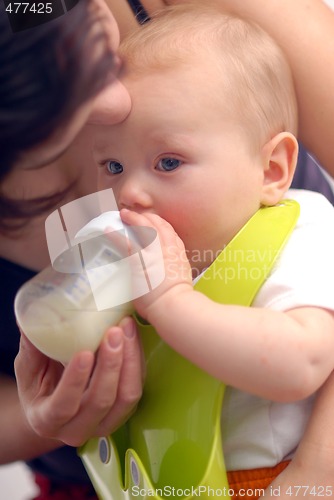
203, 62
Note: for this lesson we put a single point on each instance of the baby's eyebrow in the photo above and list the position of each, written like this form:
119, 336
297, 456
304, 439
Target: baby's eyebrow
102, 147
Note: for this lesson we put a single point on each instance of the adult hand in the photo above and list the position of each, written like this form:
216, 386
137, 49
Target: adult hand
91, 396
310, 474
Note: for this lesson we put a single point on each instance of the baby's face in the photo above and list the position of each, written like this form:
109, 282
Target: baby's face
181, 155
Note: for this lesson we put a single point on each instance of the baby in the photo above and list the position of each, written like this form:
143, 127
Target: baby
209, 140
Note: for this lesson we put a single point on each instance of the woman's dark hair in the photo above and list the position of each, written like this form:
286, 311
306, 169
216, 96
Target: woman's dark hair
46, 73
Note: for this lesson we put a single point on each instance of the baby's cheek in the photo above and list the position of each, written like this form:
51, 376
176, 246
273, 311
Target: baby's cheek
103, 180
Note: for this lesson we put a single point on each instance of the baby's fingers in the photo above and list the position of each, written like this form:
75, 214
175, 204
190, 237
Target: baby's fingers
167, 235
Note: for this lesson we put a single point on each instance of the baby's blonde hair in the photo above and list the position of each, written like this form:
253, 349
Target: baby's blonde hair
253, 76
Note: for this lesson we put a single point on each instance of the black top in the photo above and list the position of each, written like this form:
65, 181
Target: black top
309, 176
12, 276
139, 11
62, 464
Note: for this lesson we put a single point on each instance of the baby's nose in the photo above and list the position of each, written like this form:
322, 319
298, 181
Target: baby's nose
134, 195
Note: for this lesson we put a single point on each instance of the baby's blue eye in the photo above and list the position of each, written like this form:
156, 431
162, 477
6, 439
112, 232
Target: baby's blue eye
114, 167
168, 164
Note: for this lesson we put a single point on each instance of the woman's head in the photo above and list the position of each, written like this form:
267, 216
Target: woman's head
253, 78
48, 76
53, 78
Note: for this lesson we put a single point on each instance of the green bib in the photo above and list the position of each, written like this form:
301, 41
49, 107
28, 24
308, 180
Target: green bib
171, 446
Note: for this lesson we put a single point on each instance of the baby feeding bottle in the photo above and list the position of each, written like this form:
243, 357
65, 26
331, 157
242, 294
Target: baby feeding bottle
64, 312
89, 286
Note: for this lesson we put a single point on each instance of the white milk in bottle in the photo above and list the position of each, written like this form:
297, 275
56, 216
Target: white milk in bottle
64, 312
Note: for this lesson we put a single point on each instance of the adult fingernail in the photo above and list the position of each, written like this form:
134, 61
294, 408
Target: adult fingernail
85, 360
114, 339
129, 329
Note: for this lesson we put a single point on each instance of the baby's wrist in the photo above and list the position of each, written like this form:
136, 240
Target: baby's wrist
168, 304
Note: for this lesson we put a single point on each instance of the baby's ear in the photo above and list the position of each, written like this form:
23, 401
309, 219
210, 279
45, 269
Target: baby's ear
279, 156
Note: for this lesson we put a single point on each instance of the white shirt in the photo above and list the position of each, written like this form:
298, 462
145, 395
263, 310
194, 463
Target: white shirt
261, 433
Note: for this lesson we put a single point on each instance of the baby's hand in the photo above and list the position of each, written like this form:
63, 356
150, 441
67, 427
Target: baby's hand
175, 261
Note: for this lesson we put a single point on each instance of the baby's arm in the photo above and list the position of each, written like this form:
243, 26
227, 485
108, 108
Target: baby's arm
283, 356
